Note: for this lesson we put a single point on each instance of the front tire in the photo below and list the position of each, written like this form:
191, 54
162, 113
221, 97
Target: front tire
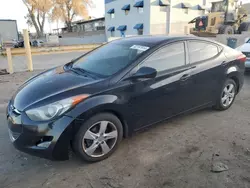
227, 95
98, 137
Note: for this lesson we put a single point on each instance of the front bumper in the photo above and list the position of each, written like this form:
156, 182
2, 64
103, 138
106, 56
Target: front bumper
43, 139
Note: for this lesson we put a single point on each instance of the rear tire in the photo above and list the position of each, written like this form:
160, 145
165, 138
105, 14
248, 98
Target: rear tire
245, 26
98, 137
227, 95
226, 29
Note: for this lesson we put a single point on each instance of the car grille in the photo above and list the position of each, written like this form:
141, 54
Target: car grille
247, 54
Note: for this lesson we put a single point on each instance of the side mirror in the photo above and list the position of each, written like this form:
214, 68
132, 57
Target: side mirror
144, 72
247, 39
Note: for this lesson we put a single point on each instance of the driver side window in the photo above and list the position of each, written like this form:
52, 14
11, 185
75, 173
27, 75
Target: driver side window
166, 58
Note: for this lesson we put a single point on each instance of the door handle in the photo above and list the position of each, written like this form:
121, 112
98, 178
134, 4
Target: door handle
224, 63
185, 77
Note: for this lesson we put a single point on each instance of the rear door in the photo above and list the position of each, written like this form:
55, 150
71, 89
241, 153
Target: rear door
207, 71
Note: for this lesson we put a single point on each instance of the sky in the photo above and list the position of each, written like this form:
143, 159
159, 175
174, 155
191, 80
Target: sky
16, 10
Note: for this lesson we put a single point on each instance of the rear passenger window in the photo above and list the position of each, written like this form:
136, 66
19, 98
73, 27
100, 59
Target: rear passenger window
168, 57
200, 51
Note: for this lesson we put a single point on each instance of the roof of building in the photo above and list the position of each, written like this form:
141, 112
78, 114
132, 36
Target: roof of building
87, 21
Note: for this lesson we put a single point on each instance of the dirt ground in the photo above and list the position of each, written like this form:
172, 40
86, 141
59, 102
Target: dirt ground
178, 153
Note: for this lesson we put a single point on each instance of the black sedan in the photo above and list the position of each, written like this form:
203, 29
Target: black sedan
93, 102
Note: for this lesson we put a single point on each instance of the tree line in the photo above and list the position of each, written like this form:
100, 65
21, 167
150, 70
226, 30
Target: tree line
54, 10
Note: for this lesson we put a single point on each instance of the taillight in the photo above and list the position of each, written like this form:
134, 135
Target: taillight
242, 58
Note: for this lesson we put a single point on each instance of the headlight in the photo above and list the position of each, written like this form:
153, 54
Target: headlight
55, 109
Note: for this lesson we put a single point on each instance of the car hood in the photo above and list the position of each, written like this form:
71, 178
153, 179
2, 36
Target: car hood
55, 83
244, 48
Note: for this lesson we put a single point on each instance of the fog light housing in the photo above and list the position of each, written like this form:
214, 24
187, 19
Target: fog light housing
44, 144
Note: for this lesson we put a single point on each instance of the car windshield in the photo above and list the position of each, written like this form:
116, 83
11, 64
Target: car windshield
110, 58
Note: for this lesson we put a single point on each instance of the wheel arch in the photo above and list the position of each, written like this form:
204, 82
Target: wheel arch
236, 80
232, 73
110, 110
100, 104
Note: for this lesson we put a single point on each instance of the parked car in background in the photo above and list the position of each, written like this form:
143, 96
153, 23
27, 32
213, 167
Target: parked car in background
37, 43
121, 87
245, 49
10, 44
20, 44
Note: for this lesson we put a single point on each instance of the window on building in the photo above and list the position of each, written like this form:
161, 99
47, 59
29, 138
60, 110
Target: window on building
139, 31
185, 10
123, 33
126, 9
112, 15
169, 57
203, 12
163, 9
204, 2
112, 34
201, 51
140, 10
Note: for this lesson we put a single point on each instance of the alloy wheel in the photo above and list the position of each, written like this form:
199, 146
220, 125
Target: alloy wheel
99, 139
228, 95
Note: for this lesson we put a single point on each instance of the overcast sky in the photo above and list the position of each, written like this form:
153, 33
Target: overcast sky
16, 10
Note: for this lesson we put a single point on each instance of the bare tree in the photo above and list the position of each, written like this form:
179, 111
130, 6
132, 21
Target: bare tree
28, 20
66, 10
37, 10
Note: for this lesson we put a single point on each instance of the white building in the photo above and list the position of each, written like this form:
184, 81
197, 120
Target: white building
149, 17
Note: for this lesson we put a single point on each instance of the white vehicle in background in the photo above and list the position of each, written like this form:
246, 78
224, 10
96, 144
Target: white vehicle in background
245, 49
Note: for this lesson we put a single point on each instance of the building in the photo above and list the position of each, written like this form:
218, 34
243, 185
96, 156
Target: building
8, 30
145, 17
89, 25
81, 26
83, 32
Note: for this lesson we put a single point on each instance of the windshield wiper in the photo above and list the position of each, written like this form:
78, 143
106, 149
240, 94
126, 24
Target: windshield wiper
84, 72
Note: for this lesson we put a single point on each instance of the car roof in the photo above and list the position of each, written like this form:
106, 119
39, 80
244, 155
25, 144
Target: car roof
158, 39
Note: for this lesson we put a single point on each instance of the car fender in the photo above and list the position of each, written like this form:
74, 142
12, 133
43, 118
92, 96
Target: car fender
96, 104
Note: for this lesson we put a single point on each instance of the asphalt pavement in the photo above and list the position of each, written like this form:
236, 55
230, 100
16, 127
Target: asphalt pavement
177, 153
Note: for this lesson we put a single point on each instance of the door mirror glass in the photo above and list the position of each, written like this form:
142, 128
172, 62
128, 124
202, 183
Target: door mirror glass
145, 72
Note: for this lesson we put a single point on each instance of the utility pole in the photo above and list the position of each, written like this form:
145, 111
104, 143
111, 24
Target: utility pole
27, 49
